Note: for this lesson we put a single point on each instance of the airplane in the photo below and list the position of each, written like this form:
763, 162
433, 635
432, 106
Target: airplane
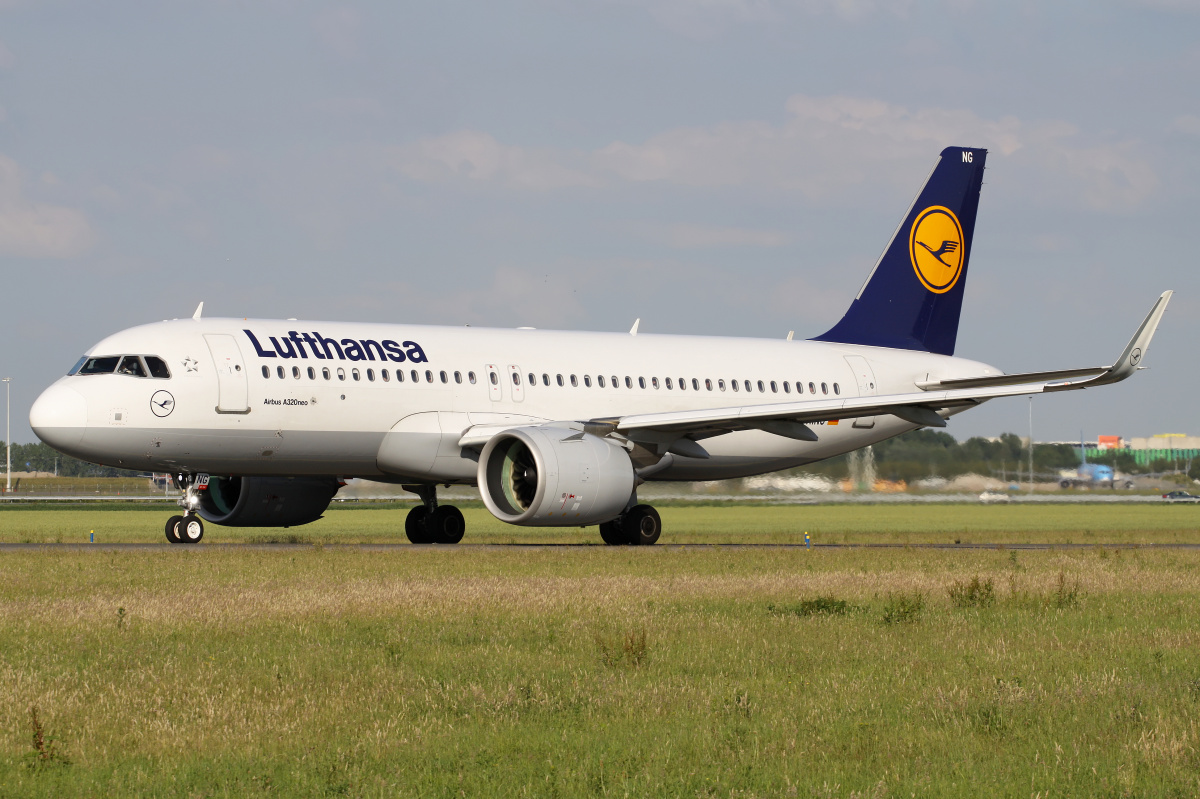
261, 421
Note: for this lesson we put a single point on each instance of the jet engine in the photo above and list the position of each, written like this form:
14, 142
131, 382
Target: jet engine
550, 476
266, 501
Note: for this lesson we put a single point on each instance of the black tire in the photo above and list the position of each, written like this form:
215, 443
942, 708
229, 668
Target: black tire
414, 525
446, 525
173, 530
191, 530
642, 525
612, 533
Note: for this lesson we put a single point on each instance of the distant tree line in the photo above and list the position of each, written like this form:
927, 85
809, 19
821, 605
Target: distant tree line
931, 453
40, 457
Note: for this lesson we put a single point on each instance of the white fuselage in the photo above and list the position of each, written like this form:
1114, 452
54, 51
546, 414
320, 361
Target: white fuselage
226, 409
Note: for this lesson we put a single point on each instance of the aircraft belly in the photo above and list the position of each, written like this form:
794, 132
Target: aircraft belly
241, 452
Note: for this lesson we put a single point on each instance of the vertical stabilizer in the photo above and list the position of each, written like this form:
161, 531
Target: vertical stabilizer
913, 296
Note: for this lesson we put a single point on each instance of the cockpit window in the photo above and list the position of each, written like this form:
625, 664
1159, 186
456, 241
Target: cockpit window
99, 366
131, 365
78, 364
158, 367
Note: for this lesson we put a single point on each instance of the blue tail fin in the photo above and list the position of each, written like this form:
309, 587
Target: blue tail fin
913, 296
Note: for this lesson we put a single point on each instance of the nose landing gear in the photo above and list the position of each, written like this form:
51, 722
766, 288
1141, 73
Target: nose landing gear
188, 528
431, 523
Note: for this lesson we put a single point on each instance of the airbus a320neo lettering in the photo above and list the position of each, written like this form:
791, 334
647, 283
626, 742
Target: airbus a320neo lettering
260, 421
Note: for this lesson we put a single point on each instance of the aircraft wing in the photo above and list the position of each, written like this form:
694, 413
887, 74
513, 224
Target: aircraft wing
920, 407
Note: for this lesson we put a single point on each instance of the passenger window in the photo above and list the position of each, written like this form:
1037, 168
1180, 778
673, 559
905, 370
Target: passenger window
428, 376
399, 375
668, 382
279, 371
384, 374
416, 378
266, 372
458, 377
824, 389
158, 367
560, 380
761, 387
748, 386
296, 372
444, 377
600, 380
532, 379
354, 373
654, 382
642, 382
99, 366
495, 380
471, 378
312, 373
695, 384
325, 372
587, 382
545, 379
371, 375
774, 387
341, 373
131, 365
628, 381
683, 384
615, 382
721, 384
812, 388
708, 383
574, 382
787, 388
837, 389
734, 384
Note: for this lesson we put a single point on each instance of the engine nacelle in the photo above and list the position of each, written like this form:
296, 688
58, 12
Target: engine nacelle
554, 477
266, 501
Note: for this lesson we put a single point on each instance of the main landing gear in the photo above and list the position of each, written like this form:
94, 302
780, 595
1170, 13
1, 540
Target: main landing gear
638, 526
188, 528
431, 523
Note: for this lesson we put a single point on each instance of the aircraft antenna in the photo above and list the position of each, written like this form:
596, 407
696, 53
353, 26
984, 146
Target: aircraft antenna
636, 322
199, 310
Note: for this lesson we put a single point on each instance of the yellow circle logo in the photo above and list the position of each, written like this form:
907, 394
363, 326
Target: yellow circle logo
935, 246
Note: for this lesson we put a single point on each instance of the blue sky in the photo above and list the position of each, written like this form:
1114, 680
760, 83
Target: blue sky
727, 167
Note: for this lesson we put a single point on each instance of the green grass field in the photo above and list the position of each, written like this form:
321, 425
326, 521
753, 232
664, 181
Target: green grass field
682, 524
751, 672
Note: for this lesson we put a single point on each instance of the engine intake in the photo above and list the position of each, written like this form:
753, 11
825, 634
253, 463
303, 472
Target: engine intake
554, 477
266, 501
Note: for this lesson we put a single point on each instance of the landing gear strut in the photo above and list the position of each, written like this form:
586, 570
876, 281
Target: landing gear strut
431, 523
638, 526
188, 528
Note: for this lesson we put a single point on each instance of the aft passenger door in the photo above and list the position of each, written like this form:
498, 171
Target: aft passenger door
233, 390
866, 385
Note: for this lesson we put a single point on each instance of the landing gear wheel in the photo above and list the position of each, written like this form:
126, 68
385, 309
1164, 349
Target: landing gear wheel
414, 525
173, 530
191, 530
642, 525
445, 525
612, 534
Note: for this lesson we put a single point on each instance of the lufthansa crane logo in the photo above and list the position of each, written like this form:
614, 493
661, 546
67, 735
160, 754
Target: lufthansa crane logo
935, 246
162, 403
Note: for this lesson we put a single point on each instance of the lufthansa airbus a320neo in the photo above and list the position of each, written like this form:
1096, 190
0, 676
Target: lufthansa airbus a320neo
260, 421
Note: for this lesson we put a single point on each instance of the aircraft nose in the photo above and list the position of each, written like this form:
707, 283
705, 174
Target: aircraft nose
59, 417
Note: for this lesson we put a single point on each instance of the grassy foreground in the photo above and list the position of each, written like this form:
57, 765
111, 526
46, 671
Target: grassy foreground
327, 671
691, 524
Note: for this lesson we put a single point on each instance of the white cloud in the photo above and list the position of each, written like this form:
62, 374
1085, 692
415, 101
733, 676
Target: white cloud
1188, 123
476, 156
37, 230
823, 148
